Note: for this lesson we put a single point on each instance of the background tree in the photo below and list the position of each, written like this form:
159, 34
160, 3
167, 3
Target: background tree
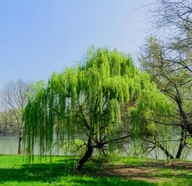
13, 100
168, 61
173, 81
173, 24
174, 18
91, 103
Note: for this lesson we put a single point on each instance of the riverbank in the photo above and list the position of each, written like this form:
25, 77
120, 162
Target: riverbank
14, 170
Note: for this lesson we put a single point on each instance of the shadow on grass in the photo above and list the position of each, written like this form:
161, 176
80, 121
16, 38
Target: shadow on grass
59, 173
45, 176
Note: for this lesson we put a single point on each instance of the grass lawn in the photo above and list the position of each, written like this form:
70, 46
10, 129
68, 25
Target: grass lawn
125, 171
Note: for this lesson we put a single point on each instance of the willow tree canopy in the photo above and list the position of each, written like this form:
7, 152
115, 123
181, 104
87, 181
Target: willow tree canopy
91, 102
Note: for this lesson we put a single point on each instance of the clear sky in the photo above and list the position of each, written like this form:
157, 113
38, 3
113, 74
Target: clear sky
38, 37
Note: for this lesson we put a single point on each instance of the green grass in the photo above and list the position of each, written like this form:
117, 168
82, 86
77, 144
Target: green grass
129, 161
14, 171
175, 176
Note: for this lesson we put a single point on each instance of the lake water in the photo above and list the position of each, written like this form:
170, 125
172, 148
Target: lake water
9, 145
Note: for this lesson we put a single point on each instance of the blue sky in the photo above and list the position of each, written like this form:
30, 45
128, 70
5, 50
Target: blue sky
38, 37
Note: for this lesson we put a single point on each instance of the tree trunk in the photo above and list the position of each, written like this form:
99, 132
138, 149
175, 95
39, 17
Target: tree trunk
181, 145
20, 143
84, 159
180, 150
185, 120
87, 154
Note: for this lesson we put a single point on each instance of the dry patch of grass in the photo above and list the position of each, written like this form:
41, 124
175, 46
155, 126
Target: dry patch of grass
153, 171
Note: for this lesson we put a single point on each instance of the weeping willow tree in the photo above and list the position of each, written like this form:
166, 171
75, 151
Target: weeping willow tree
91, 103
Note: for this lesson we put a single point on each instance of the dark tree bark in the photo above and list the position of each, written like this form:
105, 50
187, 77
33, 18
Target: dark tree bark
85, 158
185, 121
182, 145
20, 142
87, 154
19, 145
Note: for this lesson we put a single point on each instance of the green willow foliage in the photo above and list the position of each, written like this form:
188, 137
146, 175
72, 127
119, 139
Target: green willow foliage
88, 103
